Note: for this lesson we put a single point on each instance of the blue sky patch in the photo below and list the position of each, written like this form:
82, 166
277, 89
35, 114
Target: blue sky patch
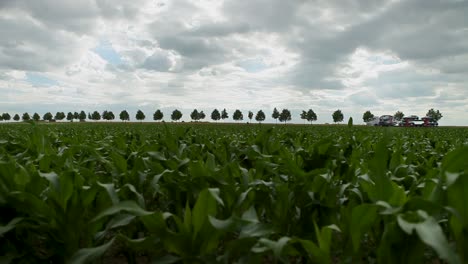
253, 65
37, 79
108, 53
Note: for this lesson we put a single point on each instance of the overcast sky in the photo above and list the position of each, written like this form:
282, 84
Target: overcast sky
353, 55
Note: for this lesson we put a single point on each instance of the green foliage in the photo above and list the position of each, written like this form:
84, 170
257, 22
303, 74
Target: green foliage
176, 115
158, 115
350, 121
338, 116
434, 114
223, 193
285, 116
215, 115
237, 116
275, 115
124, 116
368, 116
398, 116
140, 115
260, 116
36, 117
25, 117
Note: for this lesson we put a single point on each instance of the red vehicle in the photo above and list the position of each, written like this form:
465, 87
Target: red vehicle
414, 121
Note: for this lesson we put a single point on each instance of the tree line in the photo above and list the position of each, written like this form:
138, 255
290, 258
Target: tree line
216, 115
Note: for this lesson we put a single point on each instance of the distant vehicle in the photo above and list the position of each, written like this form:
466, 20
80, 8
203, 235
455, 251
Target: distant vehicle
414, 121
374, 121
386, 120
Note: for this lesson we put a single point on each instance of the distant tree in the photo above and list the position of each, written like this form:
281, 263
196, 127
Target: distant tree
6, 116
36, 117
194, 115
215, 115
304, 115
89, 116
76, 115
158, 115
338, 116
436, 115
26, 117
224, 114
201, 115
238, 116
70, 116
16, 117
311, 116
250, 116
124, 116
140, 115
59, 116
176, 115
1, 117
285, 116
368, 116
398, 116
108, 115
350, 121
82, 116
48, 116
275, 114
96, 116
260, 117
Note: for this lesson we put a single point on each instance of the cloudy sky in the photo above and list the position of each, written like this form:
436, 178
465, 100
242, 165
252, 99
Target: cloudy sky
353, 55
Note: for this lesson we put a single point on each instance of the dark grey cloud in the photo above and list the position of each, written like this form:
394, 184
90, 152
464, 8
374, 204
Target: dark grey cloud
158, 62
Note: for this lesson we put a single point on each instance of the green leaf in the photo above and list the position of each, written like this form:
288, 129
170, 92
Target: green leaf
11, 225
130, 207
205, 206
88, 254
110, 189
455, 161
362, 218
431, 234
275, 246
223, 225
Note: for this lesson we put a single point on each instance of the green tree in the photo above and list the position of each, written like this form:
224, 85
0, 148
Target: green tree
176, 115
250, 115
158, 115
48, 116
59, 116
16, 117
275, 114
398, 116
96, 116
436, 115
194, 115
140, 115
260, 117
285, 116
76, 115
238, 116
368, 116
108, 115
82, 116
304, 115
70, 116
1, 117
124, 116
89, 116
215, 115
36, 117
26, 117
311, 116
338, 116
6, 116
201, 115
350, 121
224, 114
